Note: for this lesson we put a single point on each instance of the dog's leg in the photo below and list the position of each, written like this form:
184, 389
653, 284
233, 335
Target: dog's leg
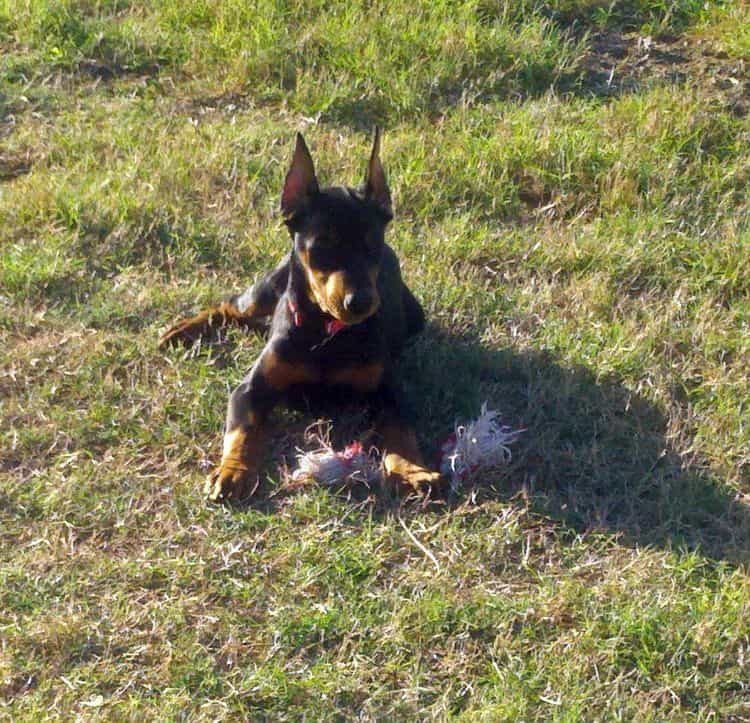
404, 465
248, 409
191, 329
248, 309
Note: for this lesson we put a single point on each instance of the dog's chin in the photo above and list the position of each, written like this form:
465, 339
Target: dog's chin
351, 319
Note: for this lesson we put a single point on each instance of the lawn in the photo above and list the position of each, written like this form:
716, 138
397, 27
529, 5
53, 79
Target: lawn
570, 181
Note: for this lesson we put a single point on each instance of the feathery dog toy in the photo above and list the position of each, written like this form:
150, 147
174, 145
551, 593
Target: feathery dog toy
476, 446
340, 314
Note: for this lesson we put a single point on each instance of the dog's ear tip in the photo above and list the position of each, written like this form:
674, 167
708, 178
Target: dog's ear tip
299, 143
376, 186
300, 183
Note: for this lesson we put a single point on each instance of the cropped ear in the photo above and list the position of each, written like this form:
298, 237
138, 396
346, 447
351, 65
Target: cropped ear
376, 187
300, 184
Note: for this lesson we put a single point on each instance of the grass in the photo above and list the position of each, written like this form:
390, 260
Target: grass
572, 209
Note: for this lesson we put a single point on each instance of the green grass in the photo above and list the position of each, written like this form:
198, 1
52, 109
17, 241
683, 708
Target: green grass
571, 208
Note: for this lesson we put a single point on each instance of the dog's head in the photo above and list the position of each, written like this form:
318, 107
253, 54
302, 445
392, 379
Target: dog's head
338, 234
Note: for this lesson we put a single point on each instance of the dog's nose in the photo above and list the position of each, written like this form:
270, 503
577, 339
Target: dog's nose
358, 302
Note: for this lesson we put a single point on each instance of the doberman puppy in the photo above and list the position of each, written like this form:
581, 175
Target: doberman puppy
340, 314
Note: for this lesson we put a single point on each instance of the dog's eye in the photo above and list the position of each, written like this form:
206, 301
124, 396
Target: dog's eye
323, 257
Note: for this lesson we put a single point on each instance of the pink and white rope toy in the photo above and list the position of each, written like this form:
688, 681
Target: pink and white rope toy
329, 467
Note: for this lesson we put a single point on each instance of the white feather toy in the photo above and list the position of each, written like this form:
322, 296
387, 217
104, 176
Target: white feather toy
477, 446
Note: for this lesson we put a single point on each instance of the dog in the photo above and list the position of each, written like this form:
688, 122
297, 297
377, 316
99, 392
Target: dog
340, 314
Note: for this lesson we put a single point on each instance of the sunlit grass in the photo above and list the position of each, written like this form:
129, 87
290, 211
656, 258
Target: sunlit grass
581, 254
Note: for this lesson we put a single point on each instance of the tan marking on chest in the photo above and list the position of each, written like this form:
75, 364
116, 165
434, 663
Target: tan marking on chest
281, 374
364, 378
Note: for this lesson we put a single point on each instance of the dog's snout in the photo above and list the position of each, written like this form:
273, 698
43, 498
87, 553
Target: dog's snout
359, 302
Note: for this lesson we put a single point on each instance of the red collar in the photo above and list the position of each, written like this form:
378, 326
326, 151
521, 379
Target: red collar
333, 326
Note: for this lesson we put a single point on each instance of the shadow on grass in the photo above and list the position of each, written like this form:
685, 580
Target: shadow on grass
595, 456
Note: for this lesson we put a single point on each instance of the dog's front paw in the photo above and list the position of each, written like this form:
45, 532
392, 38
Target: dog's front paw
409, 479
236, 477
229, 484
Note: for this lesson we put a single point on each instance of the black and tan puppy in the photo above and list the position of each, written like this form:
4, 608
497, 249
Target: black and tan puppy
340, 315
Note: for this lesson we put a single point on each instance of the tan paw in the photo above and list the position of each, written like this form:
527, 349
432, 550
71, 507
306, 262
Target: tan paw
230, 484
412, 479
